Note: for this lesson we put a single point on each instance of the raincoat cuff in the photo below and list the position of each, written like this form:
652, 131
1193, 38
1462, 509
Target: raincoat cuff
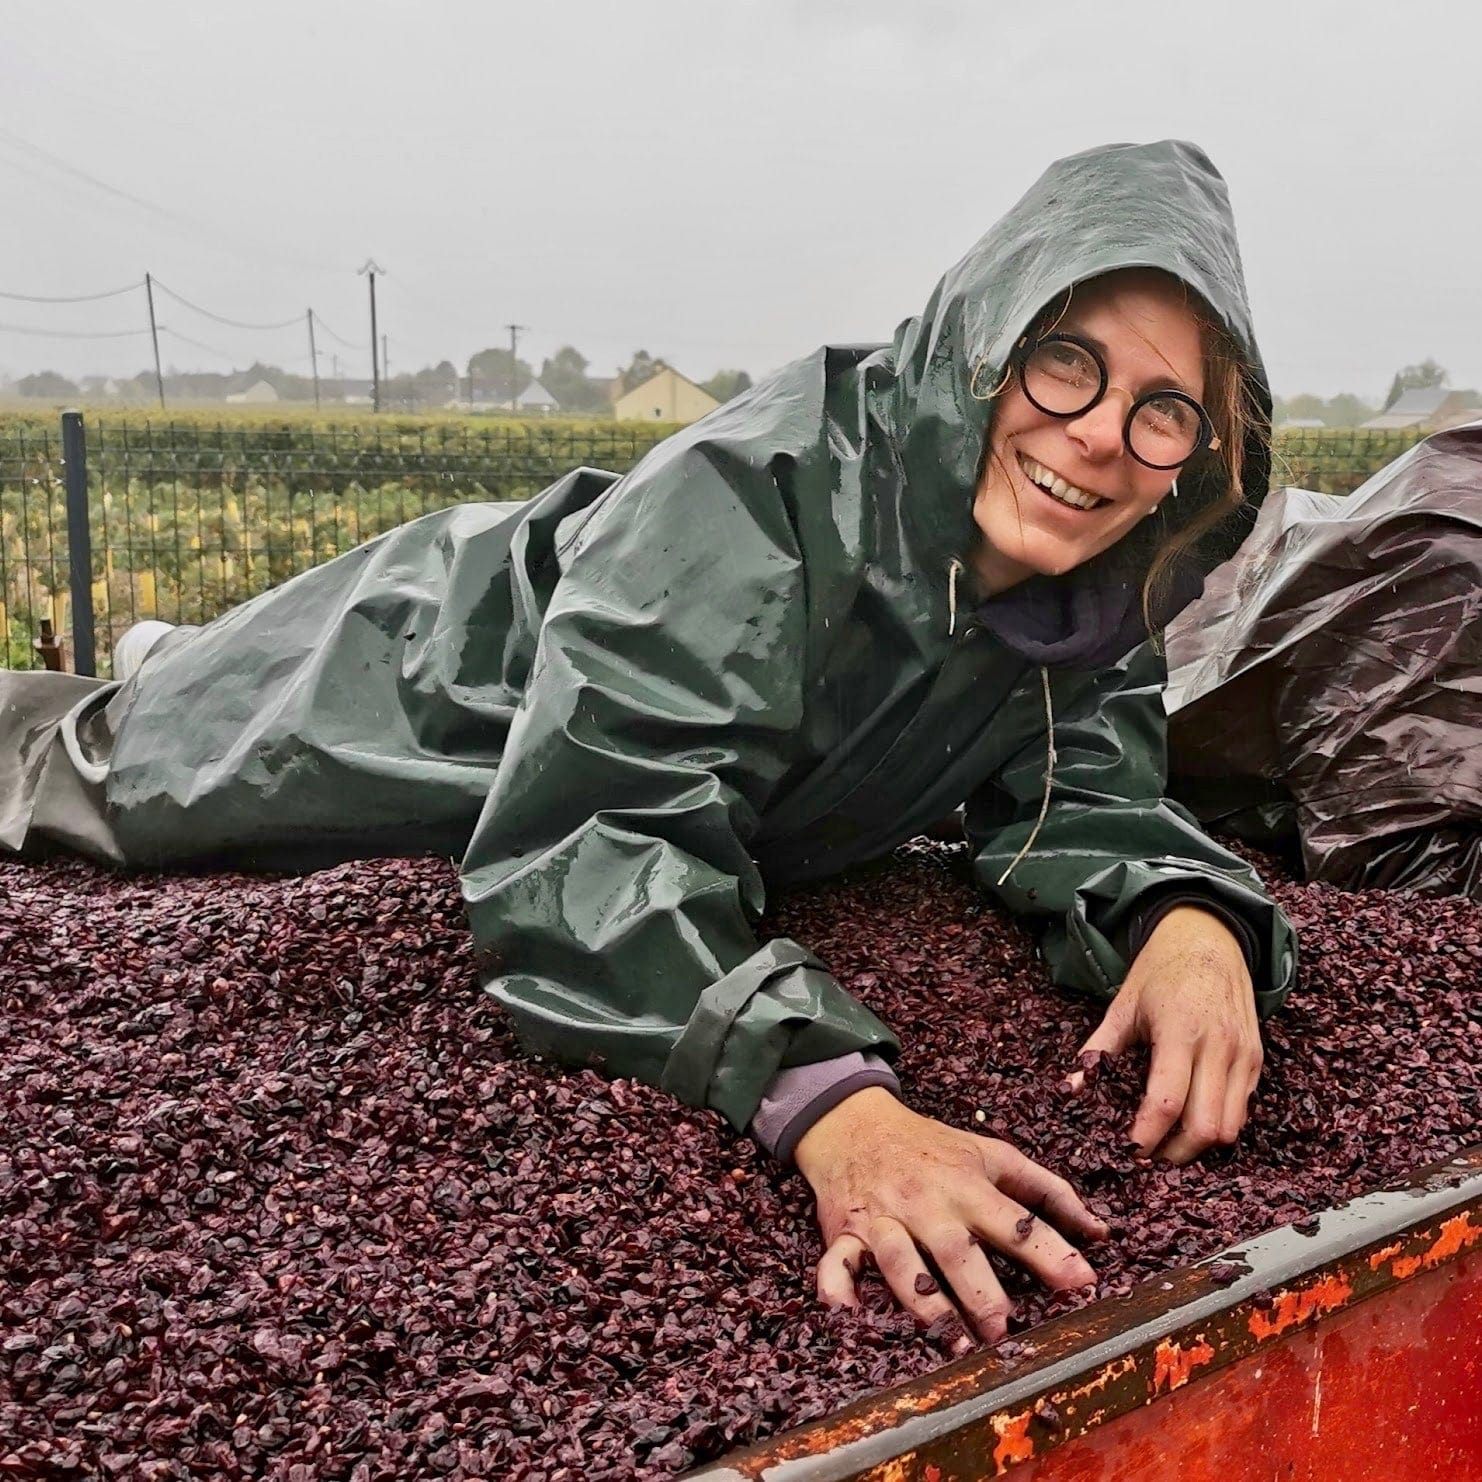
1087, 950
797, 1098
779, 1007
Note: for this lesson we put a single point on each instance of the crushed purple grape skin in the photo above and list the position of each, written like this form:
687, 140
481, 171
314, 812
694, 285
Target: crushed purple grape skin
1225, 1273
280, 1197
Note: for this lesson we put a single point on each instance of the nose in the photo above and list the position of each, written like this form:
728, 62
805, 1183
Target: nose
1098, 432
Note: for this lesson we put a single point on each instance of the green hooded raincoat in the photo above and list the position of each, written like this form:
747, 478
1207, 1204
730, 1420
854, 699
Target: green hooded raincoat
634, 703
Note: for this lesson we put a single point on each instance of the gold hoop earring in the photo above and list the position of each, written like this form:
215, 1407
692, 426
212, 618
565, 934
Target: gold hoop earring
972, 385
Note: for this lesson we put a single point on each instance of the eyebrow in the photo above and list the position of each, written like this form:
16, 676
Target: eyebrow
1170, 383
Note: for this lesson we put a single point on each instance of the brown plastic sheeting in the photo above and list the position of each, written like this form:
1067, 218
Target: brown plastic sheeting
1328, 684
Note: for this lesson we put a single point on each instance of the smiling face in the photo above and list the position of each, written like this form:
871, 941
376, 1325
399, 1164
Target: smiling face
1057, 491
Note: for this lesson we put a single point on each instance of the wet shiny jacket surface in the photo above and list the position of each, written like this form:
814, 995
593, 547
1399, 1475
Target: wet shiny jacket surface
634, 703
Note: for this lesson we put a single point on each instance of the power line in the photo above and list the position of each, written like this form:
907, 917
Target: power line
228, 240
221, 318
16, 141
334, 334
220, 354
241, 324
72, 298
71, 334
149, 284
196, 344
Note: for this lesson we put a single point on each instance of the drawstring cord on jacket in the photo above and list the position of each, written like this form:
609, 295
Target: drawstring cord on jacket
954, 570
1044, 806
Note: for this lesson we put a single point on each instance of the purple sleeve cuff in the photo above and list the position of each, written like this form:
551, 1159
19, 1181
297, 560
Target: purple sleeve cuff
797, 1098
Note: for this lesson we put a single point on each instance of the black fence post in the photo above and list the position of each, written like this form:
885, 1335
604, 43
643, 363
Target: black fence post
79, 543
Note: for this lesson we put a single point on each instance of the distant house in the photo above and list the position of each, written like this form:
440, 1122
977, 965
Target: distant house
535, 398
666, 397
351, 391
1430, 408
259, 393
489, 396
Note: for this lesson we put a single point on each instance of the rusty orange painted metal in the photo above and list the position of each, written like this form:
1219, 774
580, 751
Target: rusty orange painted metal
1384, 1391
1014, 1443
1298, 1305
1456, 1235
1352, 1353
1174, 1364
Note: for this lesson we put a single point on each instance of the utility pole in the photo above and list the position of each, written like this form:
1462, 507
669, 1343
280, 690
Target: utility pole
154, 335
385, 363
313, 358
514, 347
370, 269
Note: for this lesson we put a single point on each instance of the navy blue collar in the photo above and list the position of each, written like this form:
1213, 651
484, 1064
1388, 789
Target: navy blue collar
1074, 622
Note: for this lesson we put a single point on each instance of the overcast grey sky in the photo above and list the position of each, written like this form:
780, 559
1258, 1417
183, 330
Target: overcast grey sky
722, 182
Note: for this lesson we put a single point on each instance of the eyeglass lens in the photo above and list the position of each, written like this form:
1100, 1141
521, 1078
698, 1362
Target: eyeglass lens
1064, 379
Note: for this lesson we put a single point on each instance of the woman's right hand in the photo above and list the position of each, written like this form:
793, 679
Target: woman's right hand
891, 1183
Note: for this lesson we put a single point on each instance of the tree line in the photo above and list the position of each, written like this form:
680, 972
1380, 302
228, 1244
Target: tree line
492, 376
1348, 410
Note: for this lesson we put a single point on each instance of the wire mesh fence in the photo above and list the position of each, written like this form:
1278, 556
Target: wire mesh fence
1336, 460
34, 548
188, 519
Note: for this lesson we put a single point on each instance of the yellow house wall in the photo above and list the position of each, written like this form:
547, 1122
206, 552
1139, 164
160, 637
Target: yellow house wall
666, 398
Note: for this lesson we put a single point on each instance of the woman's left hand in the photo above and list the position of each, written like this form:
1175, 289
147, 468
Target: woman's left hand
1188, 994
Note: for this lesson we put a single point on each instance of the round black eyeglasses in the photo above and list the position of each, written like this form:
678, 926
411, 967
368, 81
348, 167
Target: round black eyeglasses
1065, 376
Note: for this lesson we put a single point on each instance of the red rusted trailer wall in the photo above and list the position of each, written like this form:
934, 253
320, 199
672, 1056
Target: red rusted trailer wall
1386, 1391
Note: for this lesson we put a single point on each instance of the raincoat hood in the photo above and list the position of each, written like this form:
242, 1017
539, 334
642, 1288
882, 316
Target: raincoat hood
1160, 205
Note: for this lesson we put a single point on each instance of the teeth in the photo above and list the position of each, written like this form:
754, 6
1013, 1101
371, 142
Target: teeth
1052, 483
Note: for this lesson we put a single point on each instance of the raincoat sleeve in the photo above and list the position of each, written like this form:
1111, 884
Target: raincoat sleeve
1112, 843
608, 880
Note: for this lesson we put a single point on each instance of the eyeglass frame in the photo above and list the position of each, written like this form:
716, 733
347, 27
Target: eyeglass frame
1207, 437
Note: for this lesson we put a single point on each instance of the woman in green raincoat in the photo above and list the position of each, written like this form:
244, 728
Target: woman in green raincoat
884, 581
